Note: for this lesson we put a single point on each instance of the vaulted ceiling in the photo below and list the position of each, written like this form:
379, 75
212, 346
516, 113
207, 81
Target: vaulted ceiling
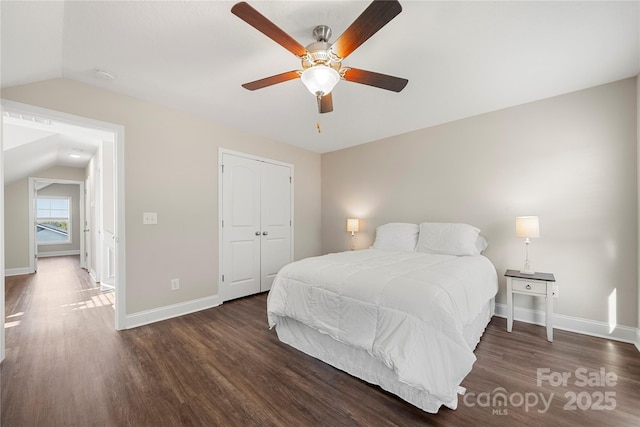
461, 59
32, 143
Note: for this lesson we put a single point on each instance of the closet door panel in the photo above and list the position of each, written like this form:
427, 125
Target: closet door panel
275, 207
241, 222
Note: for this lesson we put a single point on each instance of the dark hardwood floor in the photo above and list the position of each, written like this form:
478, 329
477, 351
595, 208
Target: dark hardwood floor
67, 366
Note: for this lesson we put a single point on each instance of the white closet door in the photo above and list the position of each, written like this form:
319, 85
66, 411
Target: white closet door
241, 227
275, 207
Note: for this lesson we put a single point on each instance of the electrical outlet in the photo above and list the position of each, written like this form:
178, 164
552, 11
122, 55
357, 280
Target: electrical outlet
175, 284
556, 291
150, 218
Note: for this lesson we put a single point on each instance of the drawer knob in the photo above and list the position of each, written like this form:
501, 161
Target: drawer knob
528, 286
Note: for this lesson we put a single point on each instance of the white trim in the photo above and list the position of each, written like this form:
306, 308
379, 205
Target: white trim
16, 271
119, 189
119, 229
33, 195
573, 324
93, 275
2, 271
637, 343
58, 253
222, 151
170, 311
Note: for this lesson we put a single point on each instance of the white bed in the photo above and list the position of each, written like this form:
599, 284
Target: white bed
405, 320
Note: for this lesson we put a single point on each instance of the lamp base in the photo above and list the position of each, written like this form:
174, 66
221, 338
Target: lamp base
526, 268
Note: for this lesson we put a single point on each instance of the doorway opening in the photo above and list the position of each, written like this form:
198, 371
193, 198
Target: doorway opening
102, 227
58, 217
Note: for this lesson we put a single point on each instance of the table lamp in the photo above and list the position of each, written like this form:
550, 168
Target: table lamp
527, 227
353, 225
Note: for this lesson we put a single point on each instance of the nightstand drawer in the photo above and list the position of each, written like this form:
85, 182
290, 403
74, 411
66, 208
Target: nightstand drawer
529, 286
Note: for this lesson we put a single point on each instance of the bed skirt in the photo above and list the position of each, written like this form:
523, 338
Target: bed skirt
360, 364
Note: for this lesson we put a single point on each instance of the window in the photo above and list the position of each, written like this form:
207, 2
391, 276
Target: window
53, 220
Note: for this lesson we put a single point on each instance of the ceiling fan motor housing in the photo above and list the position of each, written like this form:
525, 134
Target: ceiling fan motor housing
322, 33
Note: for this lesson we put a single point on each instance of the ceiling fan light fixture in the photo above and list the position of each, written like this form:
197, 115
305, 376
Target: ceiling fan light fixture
320, 79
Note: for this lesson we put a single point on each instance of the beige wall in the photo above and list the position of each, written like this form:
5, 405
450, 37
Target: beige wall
171, 169
16, 219
72, 191
16, 214
570, 159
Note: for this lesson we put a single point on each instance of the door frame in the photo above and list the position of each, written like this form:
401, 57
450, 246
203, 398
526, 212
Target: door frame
119, 196
95, 227
221, 152
87, 225
33, 194
2, 317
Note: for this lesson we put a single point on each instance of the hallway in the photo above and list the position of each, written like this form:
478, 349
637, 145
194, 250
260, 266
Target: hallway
59, 333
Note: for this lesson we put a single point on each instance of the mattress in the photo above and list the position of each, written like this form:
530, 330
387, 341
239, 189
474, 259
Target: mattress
415, 317
360, 364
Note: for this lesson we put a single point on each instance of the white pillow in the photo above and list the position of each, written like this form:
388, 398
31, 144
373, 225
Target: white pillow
481, 244
397, 236
448, 239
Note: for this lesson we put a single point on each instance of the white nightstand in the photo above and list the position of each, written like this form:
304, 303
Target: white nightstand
537, 285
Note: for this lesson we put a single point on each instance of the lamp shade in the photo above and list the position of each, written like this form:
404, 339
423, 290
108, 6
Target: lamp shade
320, 79
527, 226
353, 224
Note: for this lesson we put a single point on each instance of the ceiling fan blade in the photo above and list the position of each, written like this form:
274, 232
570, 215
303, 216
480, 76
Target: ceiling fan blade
382, 81
254, 18
271, 80
325, 103
374, 17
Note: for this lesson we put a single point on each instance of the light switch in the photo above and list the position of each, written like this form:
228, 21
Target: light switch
150, 218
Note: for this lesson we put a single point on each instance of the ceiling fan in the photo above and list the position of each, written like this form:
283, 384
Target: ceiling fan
322, 65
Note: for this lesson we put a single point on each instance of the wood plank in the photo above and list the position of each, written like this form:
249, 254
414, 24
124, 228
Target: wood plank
66, 365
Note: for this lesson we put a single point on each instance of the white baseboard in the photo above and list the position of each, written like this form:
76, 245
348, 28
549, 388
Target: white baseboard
163, 313
574, 324
57, 253
92, 274
17, 271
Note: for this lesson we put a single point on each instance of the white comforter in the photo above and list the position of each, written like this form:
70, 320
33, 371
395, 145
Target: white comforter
407, 309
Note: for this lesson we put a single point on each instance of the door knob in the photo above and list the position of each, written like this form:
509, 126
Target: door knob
257, 233
264, 233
